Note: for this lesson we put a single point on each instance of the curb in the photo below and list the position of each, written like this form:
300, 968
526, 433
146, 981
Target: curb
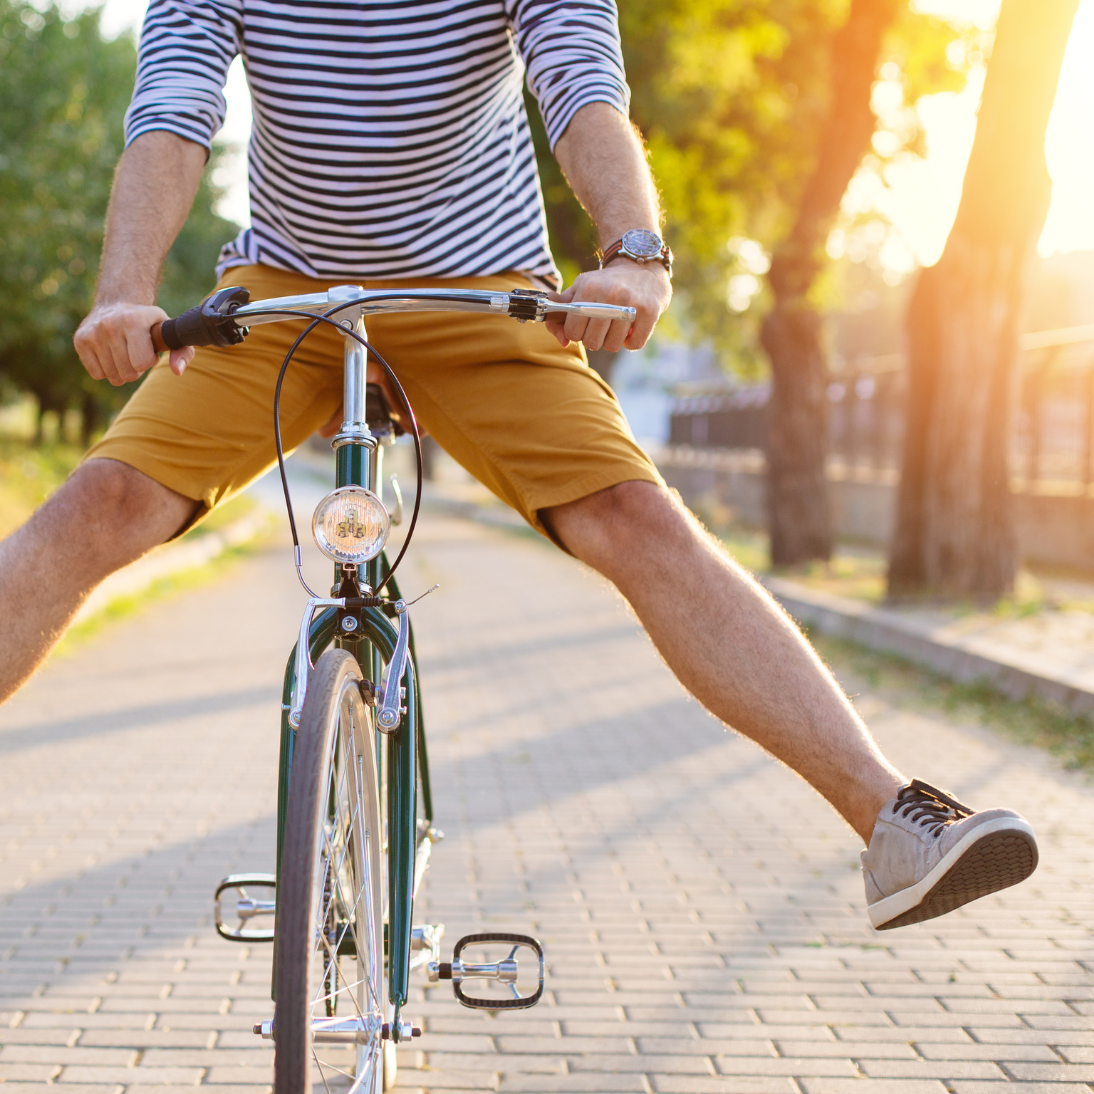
937, 645
172, 558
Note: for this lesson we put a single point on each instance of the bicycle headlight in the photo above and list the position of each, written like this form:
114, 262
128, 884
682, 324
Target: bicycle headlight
351, 525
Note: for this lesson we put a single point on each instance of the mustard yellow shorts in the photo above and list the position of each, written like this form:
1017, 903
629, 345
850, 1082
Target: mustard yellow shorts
529, 419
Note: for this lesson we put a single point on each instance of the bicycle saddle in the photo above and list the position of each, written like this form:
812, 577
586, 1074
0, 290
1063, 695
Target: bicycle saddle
382, 420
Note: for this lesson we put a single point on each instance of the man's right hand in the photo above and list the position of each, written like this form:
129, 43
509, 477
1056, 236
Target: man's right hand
115, 342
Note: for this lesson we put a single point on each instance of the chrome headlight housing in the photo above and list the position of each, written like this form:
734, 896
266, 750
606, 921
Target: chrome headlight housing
351, 525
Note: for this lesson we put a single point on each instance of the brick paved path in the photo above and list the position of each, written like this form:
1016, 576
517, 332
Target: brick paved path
702, 911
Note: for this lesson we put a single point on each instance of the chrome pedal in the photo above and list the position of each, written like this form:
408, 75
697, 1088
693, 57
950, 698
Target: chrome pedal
506, 971
256, 898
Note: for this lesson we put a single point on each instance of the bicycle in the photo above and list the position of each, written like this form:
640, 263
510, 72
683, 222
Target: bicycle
354, 802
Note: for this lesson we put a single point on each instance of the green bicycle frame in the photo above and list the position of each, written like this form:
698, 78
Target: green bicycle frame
358, 463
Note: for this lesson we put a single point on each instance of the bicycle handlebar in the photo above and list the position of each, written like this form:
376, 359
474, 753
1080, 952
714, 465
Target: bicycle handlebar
225, 318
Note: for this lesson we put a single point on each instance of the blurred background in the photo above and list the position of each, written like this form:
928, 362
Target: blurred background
879, 364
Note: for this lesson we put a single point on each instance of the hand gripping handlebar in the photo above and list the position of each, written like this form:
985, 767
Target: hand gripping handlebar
225, 318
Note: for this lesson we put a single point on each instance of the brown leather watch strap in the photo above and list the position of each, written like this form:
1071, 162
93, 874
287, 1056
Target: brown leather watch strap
616, 250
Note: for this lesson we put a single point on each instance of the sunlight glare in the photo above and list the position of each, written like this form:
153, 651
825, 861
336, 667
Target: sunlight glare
923, 195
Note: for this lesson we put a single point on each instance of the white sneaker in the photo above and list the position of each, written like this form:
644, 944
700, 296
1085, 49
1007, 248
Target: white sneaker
929, 854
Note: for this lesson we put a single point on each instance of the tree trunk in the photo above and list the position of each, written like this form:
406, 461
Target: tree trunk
954, 536
43, 408
797, 490
90, 418
797, 498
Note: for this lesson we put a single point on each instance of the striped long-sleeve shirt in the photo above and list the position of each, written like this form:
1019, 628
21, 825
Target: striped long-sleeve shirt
389, 138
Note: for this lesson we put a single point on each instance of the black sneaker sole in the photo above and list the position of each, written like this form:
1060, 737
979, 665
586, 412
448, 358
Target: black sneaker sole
994, 862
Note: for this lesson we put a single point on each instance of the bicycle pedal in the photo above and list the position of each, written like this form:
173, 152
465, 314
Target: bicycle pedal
256, 899
506, 971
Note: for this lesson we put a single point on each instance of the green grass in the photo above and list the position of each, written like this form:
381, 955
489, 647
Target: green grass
29, 474
1031, 721
125, 607
223, 515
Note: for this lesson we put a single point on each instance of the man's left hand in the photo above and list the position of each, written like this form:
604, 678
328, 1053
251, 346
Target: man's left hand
644, 287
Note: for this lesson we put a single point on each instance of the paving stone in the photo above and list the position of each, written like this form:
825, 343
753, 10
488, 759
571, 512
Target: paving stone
60, 1054
932, 1069
204, 1088
1026, 1052
1057, 1073
80, 1073
872, 1086
693, 1084
1076, 1054
43, 1073
17, 1087
795, 1066
963, 1086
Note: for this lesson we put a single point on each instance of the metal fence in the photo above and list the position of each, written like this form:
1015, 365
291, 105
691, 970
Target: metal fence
1052, 428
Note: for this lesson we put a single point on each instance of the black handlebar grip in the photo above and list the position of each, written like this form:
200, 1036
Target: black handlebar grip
209, 324
167, 333
187, 330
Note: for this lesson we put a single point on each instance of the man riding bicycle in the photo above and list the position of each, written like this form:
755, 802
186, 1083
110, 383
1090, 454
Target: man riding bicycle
391, 147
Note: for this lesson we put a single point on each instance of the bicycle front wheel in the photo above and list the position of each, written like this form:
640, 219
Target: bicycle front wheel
330, 961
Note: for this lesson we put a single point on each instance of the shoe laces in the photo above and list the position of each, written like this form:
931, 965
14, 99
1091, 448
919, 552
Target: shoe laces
931, 807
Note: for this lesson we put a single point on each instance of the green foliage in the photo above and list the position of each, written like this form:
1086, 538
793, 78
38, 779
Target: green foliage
1030, 721
730, 96
65, 90
28, 475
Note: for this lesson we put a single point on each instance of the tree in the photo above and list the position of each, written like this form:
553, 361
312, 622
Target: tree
954, 535
65, 90
797, 493
728, 95
877, 34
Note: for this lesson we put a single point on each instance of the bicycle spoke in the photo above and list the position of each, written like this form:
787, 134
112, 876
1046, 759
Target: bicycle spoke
371, 927
349, 909
321, 998
320, 1066
355, 1080
332, 953
346, 987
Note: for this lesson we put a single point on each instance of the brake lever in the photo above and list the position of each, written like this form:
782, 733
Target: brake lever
531, 305
390, 711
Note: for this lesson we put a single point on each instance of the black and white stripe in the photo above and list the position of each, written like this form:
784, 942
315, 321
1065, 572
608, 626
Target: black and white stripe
389, 139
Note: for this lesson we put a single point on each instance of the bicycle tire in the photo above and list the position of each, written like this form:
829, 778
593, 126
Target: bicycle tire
331, 890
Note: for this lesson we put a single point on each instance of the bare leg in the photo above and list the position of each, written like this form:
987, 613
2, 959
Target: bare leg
106, 515
729, 643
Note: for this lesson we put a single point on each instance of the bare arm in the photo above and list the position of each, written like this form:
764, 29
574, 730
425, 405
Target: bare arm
605, 165
154, 187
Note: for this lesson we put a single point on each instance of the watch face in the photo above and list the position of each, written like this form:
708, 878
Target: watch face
642, 243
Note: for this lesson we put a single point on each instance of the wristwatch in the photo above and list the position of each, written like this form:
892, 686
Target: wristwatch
642, 246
